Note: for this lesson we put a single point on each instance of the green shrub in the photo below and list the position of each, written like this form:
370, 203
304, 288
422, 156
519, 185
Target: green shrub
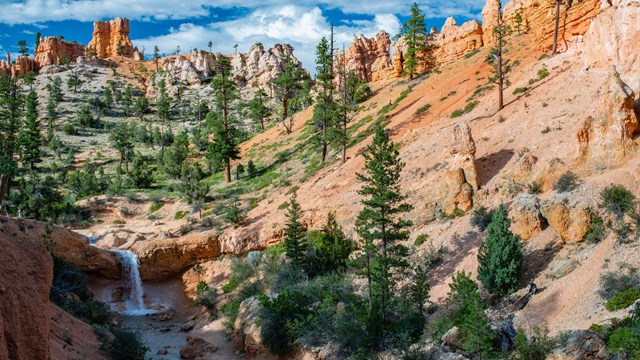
537, 348
206, 298
623, 299
155, 207
567, 182
69, 129
420, 239
596, 232
520, 90
534, 188
543, 56
614, 282
125, 345
457, 113
455, 214
423, 109
481, 218
624, 342
617, 199
180, 214
543, 73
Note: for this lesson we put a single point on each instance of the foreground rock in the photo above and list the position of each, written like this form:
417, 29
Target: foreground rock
27, 271
162, 258
607, 137
461, 179
198, 348
581, 344
68, 245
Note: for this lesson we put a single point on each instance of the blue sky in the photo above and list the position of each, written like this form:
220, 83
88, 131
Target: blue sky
191, 24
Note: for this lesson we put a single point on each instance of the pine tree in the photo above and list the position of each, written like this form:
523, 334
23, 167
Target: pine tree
176, 154
379, 221
73, 81
332, 248
471, 319
122, 140
108, 98
10, 122
141, 107
22, 47
127, 100
496, 59
156, 56
224, 147
499, 256
191, 186
287, 84
140, 173
258, 109
233, 213
415, 34
31, 137
517, 20
325, 112
295, 234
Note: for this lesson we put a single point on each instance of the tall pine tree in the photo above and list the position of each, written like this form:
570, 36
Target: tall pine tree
30, 136
415, 34
223, 121
10, 121
499, 256
295, 234
496, 59
325, 112
379, 223
287, 84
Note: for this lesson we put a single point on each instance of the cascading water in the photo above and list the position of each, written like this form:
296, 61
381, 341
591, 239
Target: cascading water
131, 269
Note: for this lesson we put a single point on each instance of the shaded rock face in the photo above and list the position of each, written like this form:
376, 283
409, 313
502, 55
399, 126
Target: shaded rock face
161, 258
461, 179
108, 36
68, 245
612, 39
581, 344
27, 271
368, 58
607, 137
55, 51
538, 16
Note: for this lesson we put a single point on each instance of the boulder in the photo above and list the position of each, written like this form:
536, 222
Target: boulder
246, 332
108, 36
452, 338
27, 271
162, 258
581, 344
569, 218
461, 178
528, 221
607, 137
55, 51
198, 348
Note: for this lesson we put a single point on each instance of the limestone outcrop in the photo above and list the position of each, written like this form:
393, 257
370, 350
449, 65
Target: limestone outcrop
66, 244
607, 137
109, 36
256, 68
368, 58
461, 179
53, 50
569, 218
22, 66
162, 258
538, 16
612, 39
27, 271
453, 41
490, 17
528, 220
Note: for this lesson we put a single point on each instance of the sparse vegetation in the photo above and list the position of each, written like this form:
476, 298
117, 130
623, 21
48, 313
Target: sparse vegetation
567, 182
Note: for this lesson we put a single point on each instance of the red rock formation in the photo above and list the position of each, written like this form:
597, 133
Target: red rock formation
538, 16
54, 51
490, 17
461, 179
22, 66
454, 41
108, 35
369, 58
27, 270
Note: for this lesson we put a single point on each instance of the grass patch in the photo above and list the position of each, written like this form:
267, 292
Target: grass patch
423, 109
155, 207
180, 214
623, 299
520, 90
421, 239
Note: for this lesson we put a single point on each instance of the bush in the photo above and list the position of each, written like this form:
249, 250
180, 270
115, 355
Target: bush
457, 113
69, 129
520, 90
423, 109
596, 232
481, 218
617, 199
155, 207
420, 239
624, 342
125, 345
567, 182
543, 73
537, 348
534, 188
623, 299
206, 298
180, 214
615, 282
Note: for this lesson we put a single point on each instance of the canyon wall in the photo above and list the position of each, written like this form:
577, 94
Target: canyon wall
108, 36
55, 51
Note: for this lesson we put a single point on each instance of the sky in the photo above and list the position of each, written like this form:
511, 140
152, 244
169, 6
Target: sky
193, 23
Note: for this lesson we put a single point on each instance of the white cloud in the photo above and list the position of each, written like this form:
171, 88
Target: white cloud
302, 27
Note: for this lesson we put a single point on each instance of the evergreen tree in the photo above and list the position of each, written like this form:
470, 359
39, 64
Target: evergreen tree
127, 100
224, 123
54, 87
499, 256
141, 107
471, 319
30, 79
251, 169
287, 84
379, 222
122, 140
517, 19
140, 174
258, 109
233, 213
325, 112
499, 64
84, 117
210, 45
31, 137
156, 56
10, 122
331, 249
176, 154
108, 98
295, 234
22, 47
191, 186
415, 33
73, 81
38, 37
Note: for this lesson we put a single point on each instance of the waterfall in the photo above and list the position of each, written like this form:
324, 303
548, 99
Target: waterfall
131, 269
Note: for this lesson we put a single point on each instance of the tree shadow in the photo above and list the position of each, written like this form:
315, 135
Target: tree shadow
534, 263
490, 165
464, 244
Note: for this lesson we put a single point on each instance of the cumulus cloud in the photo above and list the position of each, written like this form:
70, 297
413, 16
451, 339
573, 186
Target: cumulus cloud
302, 27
